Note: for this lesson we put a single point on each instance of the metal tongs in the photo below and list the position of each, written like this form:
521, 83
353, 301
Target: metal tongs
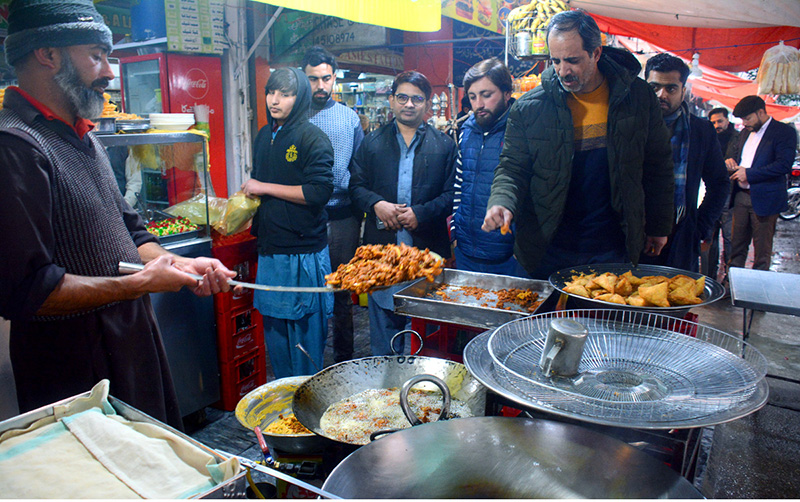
132, 268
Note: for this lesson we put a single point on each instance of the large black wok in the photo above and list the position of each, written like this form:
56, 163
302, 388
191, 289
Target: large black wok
342, 380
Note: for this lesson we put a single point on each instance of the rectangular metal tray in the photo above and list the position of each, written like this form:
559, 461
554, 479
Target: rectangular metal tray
235, 487
415, 300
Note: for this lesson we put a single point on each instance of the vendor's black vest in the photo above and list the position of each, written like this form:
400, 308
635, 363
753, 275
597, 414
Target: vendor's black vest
90, 235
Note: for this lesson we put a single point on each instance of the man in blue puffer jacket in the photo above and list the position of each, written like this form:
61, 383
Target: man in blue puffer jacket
488, 86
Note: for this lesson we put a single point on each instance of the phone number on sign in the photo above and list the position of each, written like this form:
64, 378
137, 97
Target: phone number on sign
334, 39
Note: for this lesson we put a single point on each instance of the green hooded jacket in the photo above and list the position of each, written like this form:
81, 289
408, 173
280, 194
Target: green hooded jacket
535, 167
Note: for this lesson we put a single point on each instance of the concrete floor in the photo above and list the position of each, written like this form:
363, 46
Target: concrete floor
757, 456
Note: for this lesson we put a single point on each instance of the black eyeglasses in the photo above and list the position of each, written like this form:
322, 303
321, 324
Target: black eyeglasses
415, 100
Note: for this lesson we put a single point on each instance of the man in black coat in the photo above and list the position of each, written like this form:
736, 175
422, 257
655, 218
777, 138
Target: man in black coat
696, 155
403, 177
759, 194
729, 143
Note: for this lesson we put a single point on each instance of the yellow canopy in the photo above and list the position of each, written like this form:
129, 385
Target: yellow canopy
406, 15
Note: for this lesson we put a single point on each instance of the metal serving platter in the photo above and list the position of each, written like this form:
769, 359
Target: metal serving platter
419, 300
480, 365
713, 290
235, 487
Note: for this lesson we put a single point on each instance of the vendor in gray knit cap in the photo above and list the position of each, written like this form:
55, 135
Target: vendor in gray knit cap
74, 319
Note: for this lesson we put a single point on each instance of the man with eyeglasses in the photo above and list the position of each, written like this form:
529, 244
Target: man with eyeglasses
343, 128
402, 176
696, 155
586, 169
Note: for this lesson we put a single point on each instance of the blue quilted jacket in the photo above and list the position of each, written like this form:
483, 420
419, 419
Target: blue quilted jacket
479, 154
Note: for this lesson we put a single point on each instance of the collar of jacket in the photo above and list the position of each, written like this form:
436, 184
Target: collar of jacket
499, 124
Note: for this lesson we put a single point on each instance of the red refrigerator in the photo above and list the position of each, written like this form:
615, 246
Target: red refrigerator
175, 83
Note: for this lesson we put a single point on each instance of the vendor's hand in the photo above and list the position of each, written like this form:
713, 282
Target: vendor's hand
731, 165
252, 188
740, 175
407, 218
215, 275
496, 217
654, 245
388, 212
161, 274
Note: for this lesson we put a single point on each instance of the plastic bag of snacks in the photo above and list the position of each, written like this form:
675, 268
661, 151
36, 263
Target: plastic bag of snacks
779, 72
194, 209
239, 210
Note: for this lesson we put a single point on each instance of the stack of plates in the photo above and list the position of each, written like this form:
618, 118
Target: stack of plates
171, 121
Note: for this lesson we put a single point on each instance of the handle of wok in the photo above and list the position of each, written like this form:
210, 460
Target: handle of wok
414, 419
421, 341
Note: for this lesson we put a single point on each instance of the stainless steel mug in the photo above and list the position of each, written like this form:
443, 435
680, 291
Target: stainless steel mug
563, 348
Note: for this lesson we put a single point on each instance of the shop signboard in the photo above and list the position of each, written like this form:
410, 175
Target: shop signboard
195, 26
295, 32
487, 14
117, 18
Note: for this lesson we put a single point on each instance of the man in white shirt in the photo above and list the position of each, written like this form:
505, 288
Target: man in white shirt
759, 191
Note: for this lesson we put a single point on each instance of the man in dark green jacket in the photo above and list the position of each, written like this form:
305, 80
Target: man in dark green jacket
586, 169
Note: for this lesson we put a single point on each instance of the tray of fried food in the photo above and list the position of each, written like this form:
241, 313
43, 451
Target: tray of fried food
376, 266
475, 299
643, 287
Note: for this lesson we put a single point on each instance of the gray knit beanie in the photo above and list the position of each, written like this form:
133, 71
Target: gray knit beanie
52, 23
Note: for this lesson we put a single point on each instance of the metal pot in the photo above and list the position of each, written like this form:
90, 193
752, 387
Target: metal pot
501, 457
262, 405
342, 380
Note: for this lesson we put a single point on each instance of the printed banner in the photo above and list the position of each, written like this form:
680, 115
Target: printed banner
487, 14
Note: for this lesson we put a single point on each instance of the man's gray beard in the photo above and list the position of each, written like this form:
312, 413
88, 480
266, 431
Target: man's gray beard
85, 101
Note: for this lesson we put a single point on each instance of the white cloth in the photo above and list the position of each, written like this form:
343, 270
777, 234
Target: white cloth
749, 149
85, 450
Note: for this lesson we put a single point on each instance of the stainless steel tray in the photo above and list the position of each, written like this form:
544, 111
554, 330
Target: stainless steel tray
713, 290
416, 300
480, 365
232, 488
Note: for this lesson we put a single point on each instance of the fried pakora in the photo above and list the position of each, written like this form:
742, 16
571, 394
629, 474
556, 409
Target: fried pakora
376, 265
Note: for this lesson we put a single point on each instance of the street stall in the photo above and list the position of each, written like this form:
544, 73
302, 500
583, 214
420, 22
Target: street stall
532, 388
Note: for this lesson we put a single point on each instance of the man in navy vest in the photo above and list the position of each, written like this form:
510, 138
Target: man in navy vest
488, 87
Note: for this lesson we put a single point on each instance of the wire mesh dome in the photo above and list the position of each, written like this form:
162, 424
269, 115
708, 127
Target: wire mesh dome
635, 365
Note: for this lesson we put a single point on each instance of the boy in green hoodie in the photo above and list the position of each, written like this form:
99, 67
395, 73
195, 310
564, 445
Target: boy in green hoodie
292, 173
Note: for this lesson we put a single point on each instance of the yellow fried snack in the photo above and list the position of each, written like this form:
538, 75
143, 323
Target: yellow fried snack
636, 300
606, 281
624, 286
683, 296
680, 281
594, 293
612, 297
700, 286
635, 281
656, 294
577, 289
